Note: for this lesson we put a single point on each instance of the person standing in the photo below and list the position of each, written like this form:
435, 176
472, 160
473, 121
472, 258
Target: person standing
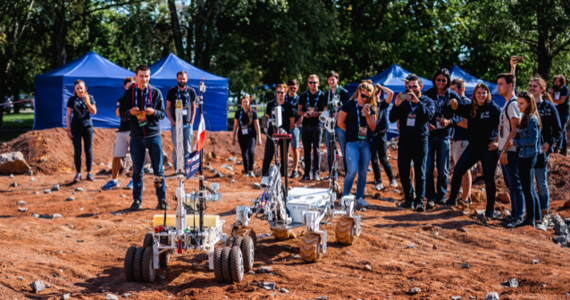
121, 144
528, 144
292, 98
380, 145
357, 118
413, 111
559, 94
311, 105
441, 131
142, 106
288, 123
460, 138
482, 116
335, 93
81, 105
510, 119
187, 96
246, 125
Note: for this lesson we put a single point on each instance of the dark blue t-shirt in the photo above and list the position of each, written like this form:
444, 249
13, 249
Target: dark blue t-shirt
351, 121
124, 126
81, 116
244, 120
564, 108
187, 96
461, 134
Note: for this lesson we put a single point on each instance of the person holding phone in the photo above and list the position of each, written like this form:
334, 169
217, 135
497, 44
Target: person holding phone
246, 125
482, 116
81, 105
357, 118
559, 94
413, 111
380, 145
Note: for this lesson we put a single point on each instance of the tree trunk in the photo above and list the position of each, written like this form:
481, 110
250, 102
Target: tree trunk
15, 100
59, 39
176, 29
544, 56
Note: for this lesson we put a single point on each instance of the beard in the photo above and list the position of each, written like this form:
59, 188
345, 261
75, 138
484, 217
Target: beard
182, 85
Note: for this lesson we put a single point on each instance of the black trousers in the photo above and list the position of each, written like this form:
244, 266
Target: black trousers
85, 133
247, 146
269, 156
380, 152
312, 137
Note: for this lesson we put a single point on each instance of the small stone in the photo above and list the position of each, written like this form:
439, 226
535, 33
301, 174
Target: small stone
69, 199
232, 159
21, 202
162, 277
116, 213
250, 272
111, 297
55, 187
466, 265
80, 241
264, 270
35, 216
513, 282
103, 290
20, 278
44, 159
543, 286
368, 267
123, 196
396, 191
472, 297
295, 256
32, 179
434, 247
48, 286
270, 286
37, 286
534, 262
22, 209
455, 297
284, 290
285, 247
47, 191
427, 227
14, 184
256, 186
462, 229
35, 193
11, 175
415, 290
411, 246
219, 175
362, 209
79, 189
232, 181
322, 298
30, 172
436, 233
492, 296
66, 296
56, 216
127, 295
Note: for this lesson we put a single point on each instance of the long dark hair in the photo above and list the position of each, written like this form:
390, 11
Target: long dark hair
530, 109
444, 72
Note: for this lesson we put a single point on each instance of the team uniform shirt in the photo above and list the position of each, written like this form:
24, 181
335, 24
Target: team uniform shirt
563, 108
443, 110
287, 112
143, 126
124, 126
482, 129
510, 110
293, 101
414, 118
355, 120
461, 134
550, 122
187, 96
81, 116
316, 102
245, 128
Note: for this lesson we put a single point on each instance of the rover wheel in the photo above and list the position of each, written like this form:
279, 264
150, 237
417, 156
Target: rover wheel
225, 262
345, 231
137, 264
148, 272
248, 252
218, 272
129, 263
236, 264
311, 247
281, 234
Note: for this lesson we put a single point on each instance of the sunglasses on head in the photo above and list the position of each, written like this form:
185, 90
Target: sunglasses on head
313, 82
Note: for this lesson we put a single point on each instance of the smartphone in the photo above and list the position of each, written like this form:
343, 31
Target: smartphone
405, 97
520, 59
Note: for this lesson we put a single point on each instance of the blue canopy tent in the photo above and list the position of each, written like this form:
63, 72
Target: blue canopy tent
392, 79
471, 82
104, 81
163, 77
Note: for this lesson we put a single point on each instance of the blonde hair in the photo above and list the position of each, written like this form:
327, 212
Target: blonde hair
79, 81
366, 85
250, 111
542, 84
313, 76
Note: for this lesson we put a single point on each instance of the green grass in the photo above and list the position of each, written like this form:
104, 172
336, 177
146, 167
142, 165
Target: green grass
26, 118
10, 134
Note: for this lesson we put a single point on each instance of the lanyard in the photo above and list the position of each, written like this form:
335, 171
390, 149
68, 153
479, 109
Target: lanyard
316, 99
358, 113
241, 116
186, 96
413, 107
80, 100
293, 102
441, 101
337, 91
142, 96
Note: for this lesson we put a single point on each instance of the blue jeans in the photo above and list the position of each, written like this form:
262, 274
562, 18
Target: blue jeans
439, 152
358, 160
413, 149
138, 149
526, 173
542, 185
471, 156
341, 138
513, 182
187, 131
563, 143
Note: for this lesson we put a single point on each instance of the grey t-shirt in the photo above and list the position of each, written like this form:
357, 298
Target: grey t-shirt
511, 109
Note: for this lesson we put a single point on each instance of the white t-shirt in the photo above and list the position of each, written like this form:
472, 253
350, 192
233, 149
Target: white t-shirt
505, 128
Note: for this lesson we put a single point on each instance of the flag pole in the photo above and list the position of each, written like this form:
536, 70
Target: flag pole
200, 168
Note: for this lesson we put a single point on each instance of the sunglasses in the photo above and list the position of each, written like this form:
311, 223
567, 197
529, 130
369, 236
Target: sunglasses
292, 87
364, 97
280, 92
441, 80
313, 82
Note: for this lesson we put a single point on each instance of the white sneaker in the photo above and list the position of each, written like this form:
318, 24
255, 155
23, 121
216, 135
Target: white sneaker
393, 183
379, 186
515, 223
541, 226
360, 202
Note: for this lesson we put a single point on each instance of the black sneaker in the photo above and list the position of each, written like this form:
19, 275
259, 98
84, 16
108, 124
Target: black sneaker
469, 201
305, 178
316, 177
528, 223
326, 178
294, 174
441, 202
136, 205
407, 204
420, 207
162, 205
430, 204
451, 202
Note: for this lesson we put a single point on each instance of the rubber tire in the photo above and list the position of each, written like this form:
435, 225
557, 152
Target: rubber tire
148, 272
237, 242
147, 240
163, 259
248, 252
245, 231
129, 263
230, 241
225, 262
280, 234
218, 272
345, 231
236, 262
137, 264
310, 247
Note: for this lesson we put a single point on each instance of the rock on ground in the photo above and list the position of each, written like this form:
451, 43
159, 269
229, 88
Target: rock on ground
37, 286
13, 163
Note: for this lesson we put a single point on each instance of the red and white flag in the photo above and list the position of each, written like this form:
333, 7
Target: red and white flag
201, 135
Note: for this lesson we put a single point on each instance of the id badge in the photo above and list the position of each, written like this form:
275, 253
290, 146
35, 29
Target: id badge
311, 109
411, 120
244, 130
336, 97
142, 119
185, 111
438, 123
361, 133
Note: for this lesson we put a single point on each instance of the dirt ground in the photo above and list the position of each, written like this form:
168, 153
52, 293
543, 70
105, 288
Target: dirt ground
82, 252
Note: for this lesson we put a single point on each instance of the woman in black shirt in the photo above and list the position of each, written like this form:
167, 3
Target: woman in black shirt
246, 123
380, 145
81, 126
